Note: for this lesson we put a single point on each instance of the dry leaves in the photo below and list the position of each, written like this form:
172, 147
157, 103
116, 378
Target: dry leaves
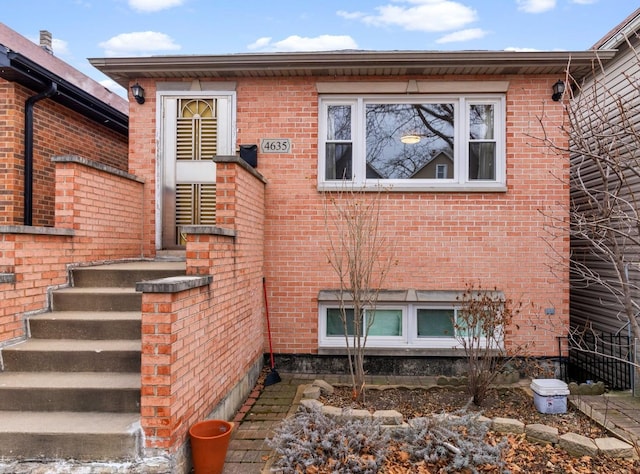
520, 456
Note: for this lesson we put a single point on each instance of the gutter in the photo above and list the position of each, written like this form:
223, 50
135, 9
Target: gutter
28, 149
15, 67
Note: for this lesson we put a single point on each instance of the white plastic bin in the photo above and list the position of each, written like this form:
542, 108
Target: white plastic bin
550, 395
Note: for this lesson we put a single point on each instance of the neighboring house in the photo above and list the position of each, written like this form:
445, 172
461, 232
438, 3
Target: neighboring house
591, 304
322, 123
66, 113
440, 166
605, 271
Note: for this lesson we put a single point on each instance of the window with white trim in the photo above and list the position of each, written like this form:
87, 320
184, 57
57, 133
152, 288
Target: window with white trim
412, 142
411, 325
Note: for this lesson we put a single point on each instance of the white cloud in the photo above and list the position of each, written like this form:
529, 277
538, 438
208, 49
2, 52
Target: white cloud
299, 43
140, 43
154, 5
521, 50
418, 15
463, 35
536, 6
584, 2
350, 15
60, 47
260, 43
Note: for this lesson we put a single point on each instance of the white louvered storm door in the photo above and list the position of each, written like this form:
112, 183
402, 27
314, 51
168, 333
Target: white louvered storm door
195, 129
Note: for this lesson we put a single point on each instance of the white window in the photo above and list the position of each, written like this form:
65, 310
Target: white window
413, 325
417, 143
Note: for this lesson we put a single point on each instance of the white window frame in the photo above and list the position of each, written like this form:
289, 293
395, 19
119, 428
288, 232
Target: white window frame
409, 338
372, 341
460, 182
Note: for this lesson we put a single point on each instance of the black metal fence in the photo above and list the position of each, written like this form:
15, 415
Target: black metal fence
600, 357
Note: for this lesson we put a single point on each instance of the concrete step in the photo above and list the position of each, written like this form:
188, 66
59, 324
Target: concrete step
72, 355
86, 325
125, 274
88, 436
70, 391
96, 299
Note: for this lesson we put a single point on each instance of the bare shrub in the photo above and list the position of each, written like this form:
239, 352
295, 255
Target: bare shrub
361, 257
482, 320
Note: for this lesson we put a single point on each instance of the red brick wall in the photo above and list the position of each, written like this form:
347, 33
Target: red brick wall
11, 158
39, 260
104, 210
198, 344
443, 240
142, 156
57, 131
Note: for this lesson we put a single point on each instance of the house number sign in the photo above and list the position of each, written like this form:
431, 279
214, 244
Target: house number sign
275, 145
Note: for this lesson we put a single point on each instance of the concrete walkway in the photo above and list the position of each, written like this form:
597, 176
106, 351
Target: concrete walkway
619, 412
267, 406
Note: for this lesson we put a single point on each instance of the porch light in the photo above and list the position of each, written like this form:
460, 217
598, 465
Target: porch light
410, 139
138, 93
558, 91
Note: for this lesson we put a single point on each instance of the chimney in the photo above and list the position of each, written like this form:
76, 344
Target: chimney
45, 41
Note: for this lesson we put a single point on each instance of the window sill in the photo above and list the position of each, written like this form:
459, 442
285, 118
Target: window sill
417, 188
398, 352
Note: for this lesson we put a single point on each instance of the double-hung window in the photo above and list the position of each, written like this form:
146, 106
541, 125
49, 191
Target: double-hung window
421, 143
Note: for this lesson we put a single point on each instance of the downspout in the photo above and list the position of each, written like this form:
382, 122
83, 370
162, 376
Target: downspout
28, 149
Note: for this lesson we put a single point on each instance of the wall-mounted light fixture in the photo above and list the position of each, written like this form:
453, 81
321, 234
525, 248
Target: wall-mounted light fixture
558, 91
410, 138
138, 93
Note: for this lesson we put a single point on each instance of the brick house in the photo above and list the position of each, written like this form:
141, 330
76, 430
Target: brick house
484, 224
314, 117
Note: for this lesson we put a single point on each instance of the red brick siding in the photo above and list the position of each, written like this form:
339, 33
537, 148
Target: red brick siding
199, 343
104, 210
442, 240
142, 156
11, 158
57, 131
40, 261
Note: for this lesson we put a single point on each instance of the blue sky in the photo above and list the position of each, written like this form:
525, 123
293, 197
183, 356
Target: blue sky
100, 28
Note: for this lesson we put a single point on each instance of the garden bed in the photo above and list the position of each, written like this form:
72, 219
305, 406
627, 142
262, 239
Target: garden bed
517, 454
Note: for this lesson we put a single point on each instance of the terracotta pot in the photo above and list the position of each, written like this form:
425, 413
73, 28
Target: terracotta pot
209, 443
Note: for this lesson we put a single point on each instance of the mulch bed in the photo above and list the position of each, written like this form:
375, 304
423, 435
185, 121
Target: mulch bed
520, 456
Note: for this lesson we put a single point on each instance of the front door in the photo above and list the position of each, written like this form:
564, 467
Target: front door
195, 129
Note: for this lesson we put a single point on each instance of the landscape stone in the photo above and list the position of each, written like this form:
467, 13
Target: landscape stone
541, 434
357, 414
311, 392
331, 411
614, 448
324, 387
388, 417
311, 404
483, 419
578, 445
507, 425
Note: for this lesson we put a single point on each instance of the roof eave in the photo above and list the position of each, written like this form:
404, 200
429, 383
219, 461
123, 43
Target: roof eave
17, 68
369, 63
